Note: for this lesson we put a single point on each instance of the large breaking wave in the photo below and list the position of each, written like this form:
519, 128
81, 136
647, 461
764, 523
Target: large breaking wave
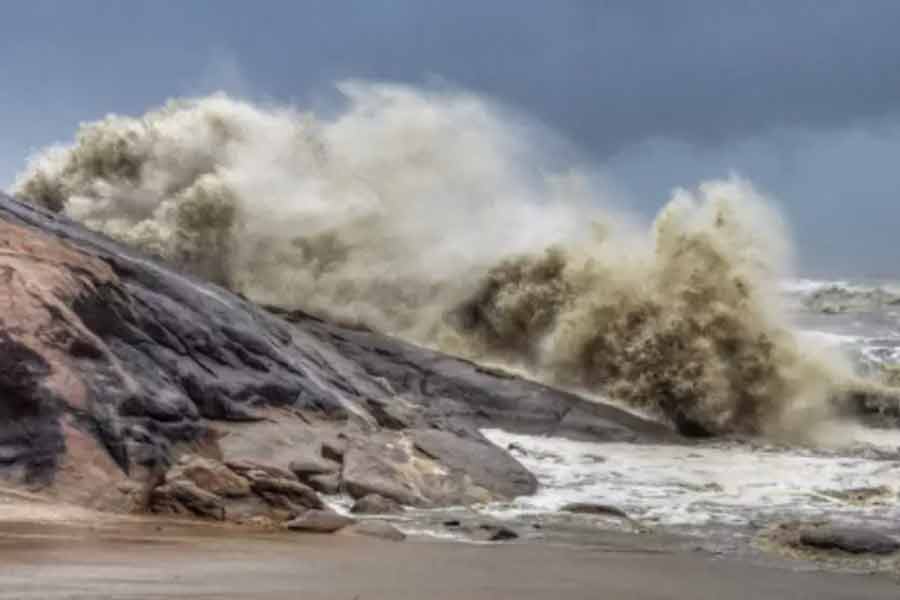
441, 218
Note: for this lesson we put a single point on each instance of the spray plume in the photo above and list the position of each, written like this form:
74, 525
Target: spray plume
439, 218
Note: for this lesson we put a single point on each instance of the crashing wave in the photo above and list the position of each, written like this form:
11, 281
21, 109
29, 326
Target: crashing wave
438, 217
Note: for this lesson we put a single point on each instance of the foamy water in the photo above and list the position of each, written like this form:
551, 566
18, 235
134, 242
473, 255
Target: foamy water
722, 484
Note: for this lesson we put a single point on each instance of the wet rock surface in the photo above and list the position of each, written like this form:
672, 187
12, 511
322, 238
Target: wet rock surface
113, 367
825, 540
847, 539
377, 529
590, 508
319, 521
373, 504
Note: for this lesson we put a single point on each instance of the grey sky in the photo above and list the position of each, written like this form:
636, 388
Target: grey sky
801, 97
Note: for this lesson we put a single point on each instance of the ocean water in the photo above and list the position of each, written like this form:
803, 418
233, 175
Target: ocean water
862, 318
740, 484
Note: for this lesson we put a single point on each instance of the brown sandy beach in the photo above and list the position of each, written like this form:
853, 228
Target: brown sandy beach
149, 560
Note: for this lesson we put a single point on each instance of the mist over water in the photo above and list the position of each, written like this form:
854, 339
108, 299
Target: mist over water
442, 218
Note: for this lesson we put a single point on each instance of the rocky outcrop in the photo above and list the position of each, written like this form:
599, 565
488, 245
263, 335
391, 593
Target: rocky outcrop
113, 366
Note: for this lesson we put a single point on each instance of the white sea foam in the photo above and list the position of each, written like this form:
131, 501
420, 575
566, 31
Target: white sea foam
808, 286
705, 485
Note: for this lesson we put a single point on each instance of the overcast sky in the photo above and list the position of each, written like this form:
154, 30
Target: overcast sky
800, 97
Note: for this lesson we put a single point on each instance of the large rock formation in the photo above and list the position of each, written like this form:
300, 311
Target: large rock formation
114, 367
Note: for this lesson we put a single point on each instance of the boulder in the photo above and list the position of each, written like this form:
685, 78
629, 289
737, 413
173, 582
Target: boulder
210, 475
313, 464
847, 539
319, 521
182, 493
488, 466
334, 449
590, 508
368, 471
373, 504
244, 466
291, 490
390, 465
377, 529
325, 484
501, 534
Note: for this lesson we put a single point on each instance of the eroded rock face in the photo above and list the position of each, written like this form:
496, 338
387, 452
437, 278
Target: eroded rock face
112, 366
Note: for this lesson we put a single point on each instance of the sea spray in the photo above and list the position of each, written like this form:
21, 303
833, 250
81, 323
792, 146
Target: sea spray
440, 218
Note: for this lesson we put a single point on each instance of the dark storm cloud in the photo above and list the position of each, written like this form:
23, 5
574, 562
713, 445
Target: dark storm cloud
611, 74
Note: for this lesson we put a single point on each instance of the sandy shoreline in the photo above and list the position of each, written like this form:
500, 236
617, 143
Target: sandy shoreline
152, 560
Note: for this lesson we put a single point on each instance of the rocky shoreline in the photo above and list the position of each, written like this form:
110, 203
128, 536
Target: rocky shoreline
132, 388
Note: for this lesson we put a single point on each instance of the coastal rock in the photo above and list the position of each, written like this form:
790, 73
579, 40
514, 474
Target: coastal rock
244, 466
382, 469
181, 494
847, 539
392, 466
112, 364
325, 484
377, 529
823, 537
501, 534
313, 464
334, 449
487, 465
319, 521
293, 491
373, 504
590, 508
212, 476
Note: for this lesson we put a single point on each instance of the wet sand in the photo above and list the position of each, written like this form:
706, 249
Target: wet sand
138, 561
